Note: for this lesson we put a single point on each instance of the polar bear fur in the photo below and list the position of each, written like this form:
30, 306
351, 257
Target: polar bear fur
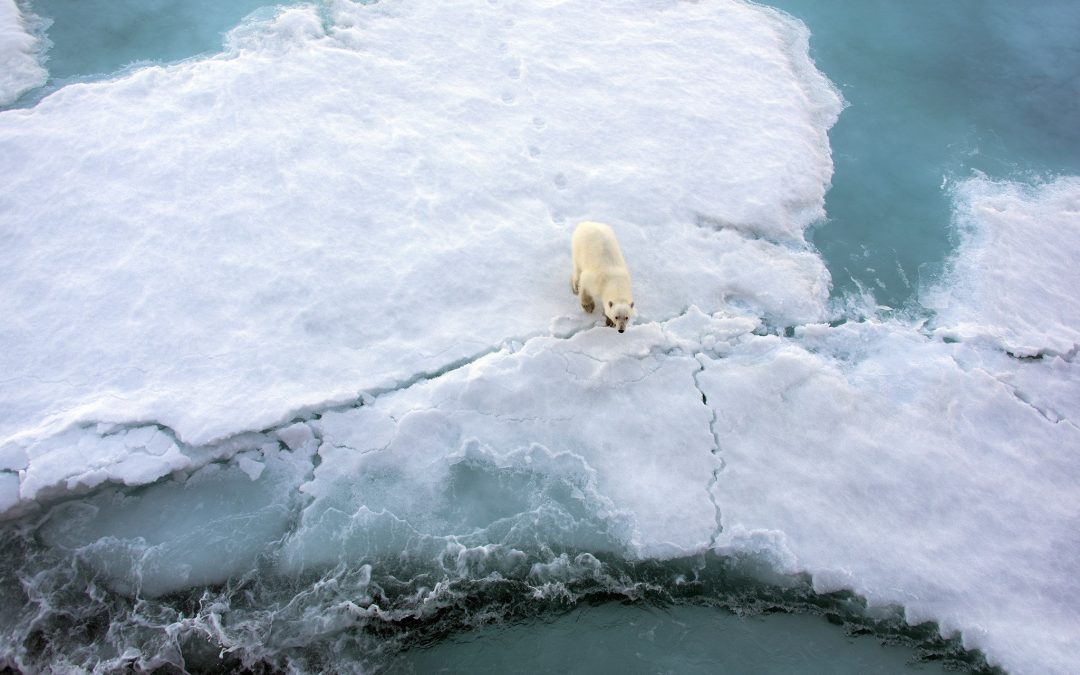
600, 273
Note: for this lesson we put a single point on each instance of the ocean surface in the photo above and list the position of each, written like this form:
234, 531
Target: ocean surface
507, 555
936, 91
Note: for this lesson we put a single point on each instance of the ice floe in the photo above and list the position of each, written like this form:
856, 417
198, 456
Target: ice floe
340, 205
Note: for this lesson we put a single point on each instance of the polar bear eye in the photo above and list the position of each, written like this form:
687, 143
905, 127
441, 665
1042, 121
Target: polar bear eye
610, 303
631, 305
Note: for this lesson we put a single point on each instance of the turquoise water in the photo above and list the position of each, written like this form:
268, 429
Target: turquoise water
936, 90
91, 40
620, 638
97, 38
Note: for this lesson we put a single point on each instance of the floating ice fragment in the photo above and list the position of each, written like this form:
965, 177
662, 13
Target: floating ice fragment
251, 467
80, 459
296, 436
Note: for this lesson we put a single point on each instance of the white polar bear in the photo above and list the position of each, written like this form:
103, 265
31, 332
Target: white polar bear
600, 273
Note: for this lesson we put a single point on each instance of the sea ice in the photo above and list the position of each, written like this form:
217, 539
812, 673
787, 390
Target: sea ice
579, 444
177, 534
1014, 279
906, 469
599, 444
346, 201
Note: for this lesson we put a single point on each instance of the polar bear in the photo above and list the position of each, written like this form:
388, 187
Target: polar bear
600, 273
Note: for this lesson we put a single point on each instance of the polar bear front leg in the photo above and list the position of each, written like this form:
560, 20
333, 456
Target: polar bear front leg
587, 303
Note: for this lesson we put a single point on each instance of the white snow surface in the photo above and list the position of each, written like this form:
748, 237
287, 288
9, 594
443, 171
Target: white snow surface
362, 220
338, 206
20, 68
1013, 282
913, 472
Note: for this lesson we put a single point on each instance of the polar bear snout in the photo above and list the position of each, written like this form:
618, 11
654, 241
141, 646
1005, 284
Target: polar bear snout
618, 315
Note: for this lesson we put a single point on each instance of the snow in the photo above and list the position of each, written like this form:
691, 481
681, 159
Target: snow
19, 66
892, 465
1014, 280
79, 459
219, 245
322, 280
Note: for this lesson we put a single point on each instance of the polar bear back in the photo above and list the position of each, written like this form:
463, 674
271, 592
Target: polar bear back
594, 247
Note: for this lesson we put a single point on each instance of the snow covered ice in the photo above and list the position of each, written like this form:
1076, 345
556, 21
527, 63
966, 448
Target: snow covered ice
1013, 284
916, 472
311, 296
320, 212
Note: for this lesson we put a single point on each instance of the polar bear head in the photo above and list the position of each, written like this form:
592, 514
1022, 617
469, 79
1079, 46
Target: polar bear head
618, 313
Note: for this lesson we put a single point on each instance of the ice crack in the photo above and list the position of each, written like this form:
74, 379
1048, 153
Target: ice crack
716, 450
1045, 411
747, 231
